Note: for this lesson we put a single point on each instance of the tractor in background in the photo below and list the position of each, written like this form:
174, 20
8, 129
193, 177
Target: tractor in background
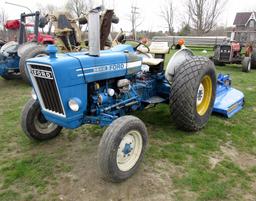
103, 87
14, 54
68, 38
234, 52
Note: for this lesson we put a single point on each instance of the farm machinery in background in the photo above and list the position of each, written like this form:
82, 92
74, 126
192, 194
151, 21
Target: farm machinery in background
67, 36
14, 54
235, 52
102, 87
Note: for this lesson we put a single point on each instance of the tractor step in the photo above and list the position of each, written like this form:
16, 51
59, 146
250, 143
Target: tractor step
154, 100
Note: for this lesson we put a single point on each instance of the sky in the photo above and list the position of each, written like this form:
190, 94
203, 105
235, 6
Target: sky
149, 11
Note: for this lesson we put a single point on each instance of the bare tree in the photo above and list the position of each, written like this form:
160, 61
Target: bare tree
3, 19
77, 7
47, 9
204, 14
135, 19
167, 14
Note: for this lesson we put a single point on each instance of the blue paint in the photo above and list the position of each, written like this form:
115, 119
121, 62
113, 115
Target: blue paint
127, 149
228, 100
10, 63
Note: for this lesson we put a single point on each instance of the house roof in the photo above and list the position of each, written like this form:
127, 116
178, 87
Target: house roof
242, 18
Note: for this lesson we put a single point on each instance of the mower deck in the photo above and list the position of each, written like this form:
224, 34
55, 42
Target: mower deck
228, 100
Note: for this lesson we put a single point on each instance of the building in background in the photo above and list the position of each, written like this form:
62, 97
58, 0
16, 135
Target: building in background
245, 26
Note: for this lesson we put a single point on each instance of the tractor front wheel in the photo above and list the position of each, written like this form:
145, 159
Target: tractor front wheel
246, 64
122, 148
193, 93
35, 125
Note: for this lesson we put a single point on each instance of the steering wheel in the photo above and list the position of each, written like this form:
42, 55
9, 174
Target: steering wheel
138, 45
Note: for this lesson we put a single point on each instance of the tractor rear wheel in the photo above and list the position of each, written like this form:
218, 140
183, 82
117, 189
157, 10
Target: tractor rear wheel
253, 59
246, 64
193, 93
11, 76
32, 52
34, 123
122, 148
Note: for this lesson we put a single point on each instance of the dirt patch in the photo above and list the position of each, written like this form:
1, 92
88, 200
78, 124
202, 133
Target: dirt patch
244, 160
214, 160
250, 88
84, 182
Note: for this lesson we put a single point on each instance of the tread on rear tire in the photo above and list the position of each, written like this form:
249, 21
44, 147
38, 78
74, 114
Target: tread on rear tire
184, 93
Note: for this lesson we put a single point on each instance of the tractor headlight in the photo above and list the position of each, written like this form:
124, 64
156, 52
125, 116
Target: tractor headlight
74, 104
33, 94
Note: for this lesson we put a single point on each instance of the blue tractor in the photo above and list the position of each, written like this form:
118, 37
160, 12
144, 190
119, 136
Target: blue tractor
104, 87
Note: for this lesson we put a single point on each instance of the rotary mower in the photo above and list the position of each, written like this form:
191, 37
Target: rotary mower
104, 87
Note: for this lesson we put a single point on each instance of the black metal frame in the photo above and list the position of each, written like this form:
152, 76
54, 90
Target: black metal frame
22, 30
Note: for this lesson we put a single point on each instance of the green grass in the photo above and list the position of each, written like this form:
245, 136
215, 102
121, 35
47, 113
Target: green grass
29, 169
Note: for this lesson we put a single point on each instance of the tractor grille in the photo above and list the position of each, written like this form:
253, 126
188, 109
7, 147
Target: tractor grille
225, 51
47, 88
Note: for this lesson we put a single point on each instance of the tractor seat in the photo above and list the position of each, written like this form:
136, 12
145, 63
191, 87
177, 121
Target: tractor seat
159, 48
152, 61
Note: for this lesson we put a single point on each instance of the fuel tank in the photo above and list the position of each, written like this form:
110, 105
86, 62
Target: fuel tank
117, 62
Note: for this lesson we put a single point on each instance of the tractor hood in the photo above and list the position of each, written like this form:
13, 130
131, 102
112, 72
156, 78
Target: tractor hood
77, 68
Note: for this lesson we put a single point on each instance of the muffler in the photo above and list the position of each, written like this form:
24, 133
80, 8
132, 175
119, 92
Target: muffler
94, 32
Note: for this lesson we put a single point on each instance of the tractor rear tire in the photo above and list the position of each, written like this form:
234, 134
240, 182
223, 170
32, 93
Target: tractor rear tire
193, 93
32, 52
246, 64
122, 148
34, 125
253, 59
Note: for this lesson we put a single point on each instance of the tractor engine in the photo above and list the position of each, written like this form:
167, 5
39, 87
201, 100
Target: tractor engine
121, 95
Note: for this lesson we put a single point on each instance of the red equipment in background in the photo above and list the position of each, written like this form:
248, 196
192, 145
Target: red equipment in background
42, 38
12, 24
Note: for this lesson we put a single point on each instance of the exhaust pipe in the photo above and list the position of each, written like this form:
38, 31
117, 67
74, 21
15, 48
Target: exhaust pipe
94, 32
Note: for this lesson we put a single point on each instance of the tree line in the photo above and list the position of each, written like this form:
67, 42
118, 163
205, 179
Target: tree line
199, 16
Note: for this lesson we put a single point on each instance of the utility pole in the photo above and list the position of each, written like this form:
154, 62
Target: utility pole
134, 17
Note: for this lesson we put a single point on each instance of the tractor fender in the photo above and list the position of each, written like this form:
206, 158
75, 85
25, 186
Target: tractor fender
175, 62
24, 47
10, 46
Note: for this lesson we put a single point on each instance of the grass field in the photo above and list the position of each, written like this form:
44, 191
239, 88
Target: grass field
217, 163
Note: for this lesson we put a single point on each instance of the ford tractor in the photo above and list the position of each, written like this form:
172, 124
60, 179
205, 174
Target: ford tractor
14, 54
104, 87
